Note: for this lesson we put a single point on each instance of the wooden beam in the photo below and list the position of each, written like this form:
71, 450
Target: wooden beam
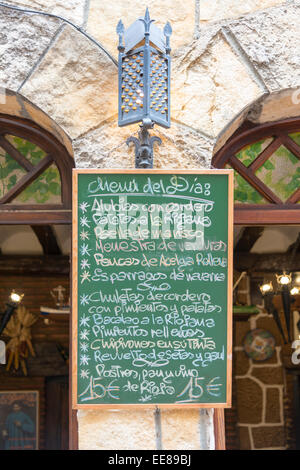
294, 198
219, 429
270, 262
34, 265
271, 214
265, 154
248, 239
254, 181
47, 239
35, 217
291, 145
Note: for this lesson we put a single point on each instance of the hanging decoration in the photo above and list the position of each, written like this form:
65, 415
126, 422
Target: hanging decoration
259, 345
19, 346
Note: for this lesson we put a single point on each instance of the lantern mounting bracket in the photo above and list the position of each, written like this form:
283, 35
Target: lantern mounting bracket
144, 145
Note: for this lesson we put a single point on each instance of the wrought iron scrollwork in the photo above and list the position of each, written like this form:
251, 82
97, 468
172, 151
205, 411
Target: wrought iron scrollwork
144, 147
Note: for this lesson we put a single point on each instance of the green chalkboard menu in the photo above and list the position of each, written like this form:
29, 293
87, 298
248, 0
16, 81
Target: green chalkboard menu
152, 285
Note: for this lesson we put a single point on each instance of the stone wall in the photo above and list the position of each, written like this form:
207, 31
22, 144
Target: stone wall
264, 396
260, 390
231, 60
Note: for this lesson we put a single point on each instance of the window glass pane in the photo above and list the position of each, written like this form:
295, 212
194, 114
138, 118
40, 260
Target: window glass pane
244, 193
32, 152
10, 172
281, 173
295, 137
249, 153
46, 188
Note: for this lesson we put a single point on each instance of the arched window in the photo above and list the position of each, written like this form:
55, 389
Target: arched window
266, 161
35, 174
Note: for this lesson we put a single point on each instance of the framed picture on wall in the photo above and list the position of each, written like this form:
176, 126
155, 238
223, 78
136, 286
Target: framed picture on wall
19, 420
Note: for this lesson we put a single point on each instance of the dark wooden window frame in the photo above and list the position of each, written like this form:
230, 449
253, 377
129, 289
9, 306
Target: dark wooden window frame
36, 214
40, 214
276, 212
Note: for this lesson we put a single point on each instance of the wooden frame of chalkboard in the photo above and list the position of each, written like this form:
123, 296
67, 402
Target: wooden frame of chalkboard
227, 327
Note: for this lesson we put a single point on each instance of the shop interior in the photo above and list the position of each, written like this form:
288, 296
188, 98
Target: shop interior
35, 265
266, 328
34, 385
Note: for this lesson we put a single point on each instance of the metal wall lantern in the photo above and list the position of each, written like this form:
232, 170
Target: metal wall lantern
287, 290
288, 286
144, 82
14, 301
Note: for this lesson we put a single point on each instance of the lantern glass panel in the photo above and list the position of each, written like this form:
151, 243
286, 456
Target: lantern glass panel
159, 87
132, 73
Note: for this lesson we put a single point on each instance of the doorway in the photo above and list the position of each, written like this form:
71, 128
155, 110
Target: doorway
35, 241
265, 413
39, 378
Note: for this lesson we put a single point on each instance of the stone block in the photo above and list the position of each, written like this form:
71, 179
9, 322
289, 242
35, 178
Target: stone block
241, 328
244, 438
241, 363
182, 148
268, 375
116, 430
104, 16
23, 39
249, 401
106, 147
71, 10
219, 10
14, 104
281, 105
229, 130
266, 437
271, 41
273, 406
209, 88
268, 323
75, 83
181, 429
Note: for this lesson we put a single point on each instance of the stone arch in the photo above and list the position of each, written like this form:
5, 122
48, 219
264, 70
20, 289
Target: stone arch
65, 81
16, 105
37, 161
264, 152
271, 107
